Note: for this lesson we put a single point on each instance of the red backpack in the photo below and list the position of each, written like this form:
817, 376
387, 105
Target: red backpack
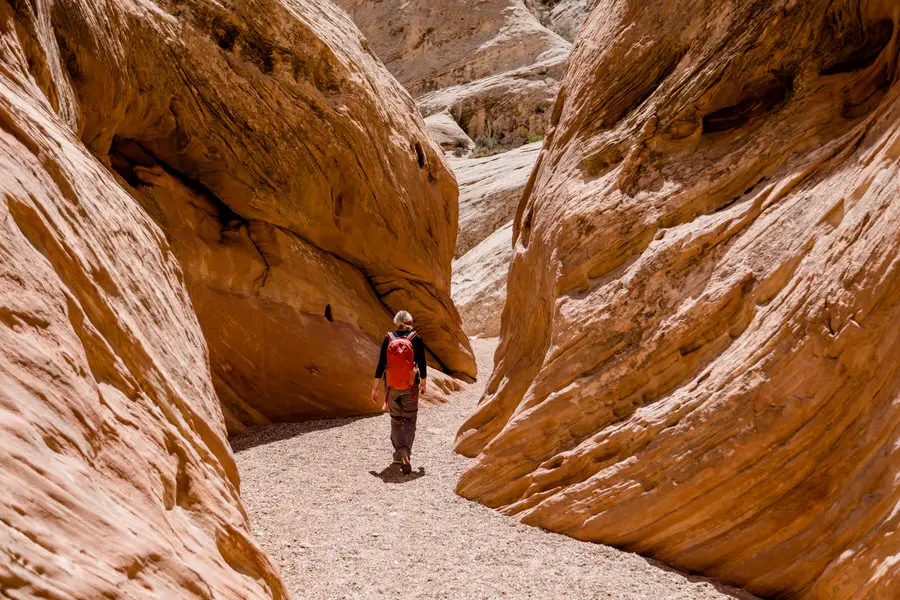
401, 363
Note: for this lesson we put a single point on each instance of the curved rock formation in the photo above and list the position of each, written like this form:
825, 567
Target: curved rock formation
479, 283
447, 134
699, 355
489, 192
492, 64
116, 479
293, 179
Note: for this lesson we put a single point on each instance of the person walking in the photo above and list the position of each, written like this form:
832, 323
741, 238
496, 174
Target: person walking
402, 366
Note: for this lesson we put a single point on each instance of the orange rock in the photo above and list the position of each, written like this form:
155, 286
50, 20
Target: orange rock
699, 356
295, 182
116, 479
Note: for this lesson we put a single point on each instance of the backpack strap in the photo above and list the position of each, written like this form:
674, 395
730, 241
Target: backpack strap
391, 336
412, 335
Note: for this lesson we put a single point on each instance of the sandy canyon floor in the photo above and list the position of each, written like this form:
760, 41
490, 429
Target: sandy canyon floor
341, 522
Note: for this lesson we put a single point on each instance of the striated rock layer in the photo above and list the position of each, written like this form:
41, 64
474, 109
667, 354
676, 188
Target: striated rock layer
116, 479
479, 283
565, 17
699, 355
295, 182
491, 64
489, 192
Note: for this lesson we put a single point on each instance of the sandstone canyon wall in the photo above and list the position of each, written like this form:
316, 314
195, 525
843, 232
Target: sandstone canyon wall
489, 192
699, 355
116, 479
491, 64
294, 181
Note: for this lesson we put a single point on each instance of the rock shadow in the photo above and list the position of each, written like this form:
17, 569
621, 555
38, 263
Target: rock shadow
260, 435
393, 474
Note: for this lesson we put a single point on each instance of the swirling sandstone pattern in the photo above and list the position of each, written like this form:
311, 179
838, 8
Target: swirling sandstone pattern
699, 355
293, 179
116, 479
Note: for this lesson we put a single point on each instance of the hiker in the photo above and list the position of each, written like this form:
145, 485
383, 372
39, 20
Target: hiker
402, 365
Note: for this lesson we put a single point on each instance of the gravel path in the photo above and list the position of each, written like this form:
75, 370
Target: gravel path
340, 522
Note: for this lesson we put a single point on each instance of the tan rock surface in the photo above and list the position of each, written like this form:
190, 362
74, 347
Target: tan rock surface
489, 192
297, 186
492, 64
699, 355
446, 133
116, 479
479, 283
565, 17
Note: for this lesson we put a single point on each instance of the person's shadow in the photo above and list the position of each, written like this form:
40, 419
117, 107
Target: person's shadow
393, 474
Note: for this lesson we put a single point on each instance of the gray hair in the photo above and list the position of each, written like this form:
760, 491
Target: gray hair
403, 320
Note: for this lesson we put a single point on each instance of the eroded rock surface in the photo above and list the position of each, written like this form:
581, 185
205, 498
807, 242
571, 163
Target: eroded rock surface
699, 356
491, 64
447, 134
479, 283
294, 180
565, 17
489, 192
116, 479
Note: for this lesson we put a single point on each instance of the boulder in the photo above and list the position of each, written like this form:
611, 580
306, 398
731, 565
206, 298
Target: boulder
116, 478
448, 135
699, 350
491, 64
489, 192
294, 181
479, 283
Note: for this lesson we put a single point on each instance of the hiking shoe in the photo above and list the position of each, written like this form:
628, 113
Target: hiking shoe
404, 465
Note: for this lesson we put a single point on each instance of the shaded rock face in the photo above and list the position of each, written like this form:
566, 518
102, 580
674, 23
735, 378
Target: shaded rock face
491, 64
116, 479
699, 347
295, 183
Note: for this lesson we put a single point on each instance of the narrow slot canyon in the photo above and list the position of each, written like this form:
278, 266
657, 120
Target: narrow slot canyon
650, 253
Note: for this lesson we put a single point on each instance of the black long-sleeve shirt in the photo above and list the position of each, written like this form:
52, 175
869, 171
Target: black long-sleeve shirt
418, 354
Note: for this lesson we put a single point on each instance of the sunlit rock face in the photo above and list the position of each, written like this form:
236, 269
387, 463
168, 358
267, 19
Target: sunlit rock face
489, 192
493, 65
699, 353
565, 17
294, 180
116, 479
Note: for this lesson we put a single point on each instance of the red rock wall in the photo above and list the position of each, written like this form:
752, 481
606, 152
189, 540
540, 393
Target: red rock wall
116, 479
699, 355
294, 180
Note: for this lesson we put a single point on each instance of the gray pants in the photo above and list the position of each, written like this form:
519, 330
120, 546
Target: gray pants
403, 406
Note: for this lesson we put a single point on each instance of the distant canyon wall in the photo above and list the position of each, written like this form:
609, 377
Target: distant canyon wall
492, 65
699, 354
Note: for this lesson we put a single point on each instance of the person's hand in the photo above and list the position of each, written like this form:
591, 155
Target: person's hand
375, 392
422, 387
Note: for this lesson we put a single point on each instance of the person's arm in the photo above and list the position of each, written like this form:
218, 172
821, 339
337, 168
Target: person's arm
379, 370
421, 362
